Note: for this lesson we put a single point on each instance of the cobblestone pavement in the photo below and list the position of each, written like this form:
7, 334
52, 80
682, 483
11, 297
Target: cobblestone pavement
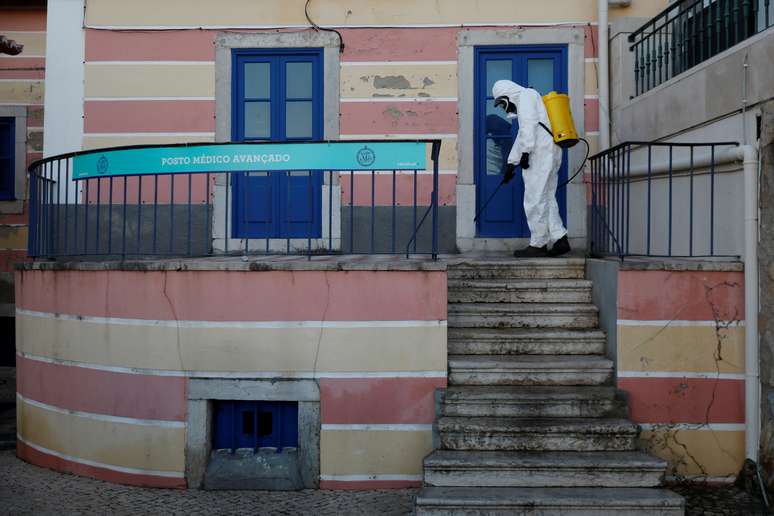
29, 490
701, 500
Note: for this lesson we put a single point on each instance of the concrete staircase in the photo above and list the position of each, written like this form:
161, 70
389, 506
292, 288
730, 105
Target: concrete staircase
531, 422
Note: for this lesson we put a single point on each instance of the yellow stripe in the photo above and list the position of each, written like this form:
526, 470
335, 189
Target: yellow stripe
448, 159
13, 237
27, 92
96, 141
593, 140
697, 452
434, 80
373, 452
374, 12
34, 42
235, 349
590, 77
107, 442
681, 348
150, 80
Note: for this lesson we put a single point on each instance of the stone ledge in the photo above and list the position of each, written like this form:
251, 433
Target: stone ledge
252, 264
676, 264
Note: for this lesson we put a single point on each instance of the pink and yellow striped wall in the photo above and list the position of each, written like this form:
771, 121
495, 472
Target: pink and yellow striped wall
104, 358
681, 361
22, 84
398, 75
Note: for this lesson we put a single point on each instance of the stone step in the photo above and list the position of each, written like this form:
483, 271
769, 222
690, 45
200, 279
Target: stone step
523, 315
542, 469
578, 501
517, 401
520, 291
525, 341
529, 370
509, 268
539, 434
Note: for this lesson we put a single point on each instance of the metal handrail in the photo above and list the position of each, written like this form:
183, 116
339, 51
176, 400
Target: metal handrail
615, 228
146, 214
686, 34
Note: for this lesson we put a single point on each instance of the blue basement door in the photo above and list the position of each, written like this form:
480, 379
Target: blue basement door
543, 67
277, 96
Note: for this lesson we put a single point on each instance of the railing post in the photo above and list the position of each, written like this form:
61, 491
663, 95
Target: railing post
435, 156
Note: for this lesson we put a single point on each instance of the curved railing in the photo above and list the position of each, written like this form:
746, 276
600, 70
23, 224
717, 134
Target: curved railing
203, 199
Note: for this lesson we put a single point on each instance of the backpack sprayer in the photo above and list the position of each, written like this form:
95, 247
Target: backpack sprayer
564, 135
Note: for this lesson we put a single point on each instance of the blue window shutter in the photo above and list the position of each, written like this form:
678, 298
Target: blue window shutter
255, 424
7, 158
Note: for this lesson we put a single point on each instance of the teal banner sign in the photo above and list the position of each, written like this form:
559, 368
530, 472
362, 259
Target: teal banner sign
252, 157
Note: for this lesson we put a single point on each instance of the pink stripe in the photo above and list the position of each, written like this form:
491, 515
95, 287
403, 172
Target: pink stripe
160, 191
684, 400
186, 45
367, 485
23, 20
35, 116
398, 117
102, 392
33, 156
237, 296
23, 68
149, 116
9, 259
686, 295
16, 218
420, 44
379, 400
591, 114
404, 189
592, 41
33, 456
431, 44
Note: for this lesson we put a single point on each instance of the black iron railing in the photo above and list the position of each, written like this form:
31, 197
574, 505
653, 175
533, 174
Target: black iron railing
690, 32
665, 200
192, 213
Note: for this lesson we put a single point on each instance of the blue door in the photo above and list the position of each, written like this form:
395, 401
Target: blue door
277, 96
543, 67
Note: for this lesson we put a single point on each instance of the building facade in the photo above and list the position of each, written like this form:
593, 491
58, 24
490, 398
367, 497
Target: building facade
167, 362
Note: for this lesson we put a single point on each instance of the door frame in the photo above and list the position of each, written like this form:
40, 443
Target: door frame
467, 41
479, 76
279, 186
225, 43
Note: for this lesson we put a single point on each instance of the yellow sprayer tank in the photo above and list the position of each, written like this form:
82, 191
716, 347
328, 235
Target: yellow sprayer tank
558, 108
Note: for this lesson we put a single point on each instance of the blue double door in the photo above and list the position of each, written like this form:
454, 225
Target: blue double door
277, 96
542, 67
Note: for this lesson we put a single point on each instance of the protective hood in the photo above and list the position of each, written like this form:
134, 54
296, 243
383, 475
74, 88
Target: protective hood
508, 88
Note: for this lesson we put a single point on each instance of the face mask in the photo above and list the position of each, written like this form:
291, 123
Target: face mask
509, 107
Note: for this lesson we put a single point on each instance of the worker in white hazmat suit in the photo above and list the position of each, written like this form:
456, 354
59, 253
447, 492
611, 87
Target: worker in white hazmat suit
539, 157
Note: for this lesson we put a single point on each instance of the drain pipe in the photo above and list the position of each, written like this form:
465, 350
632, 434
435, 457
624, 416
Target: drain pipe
749, 156
603, 75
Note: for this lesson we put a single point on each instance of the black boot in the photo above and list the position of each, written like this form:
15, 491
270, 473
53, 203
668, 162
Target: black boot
531, 252
561, 246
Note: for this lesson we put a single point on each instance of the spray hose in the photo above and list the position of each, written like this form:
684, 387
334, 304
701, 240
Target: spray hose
580, 168
565, 183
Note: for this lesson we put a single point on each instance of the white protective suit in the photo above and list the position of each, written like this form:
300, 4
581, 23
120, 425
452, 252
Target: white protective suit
545, 158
